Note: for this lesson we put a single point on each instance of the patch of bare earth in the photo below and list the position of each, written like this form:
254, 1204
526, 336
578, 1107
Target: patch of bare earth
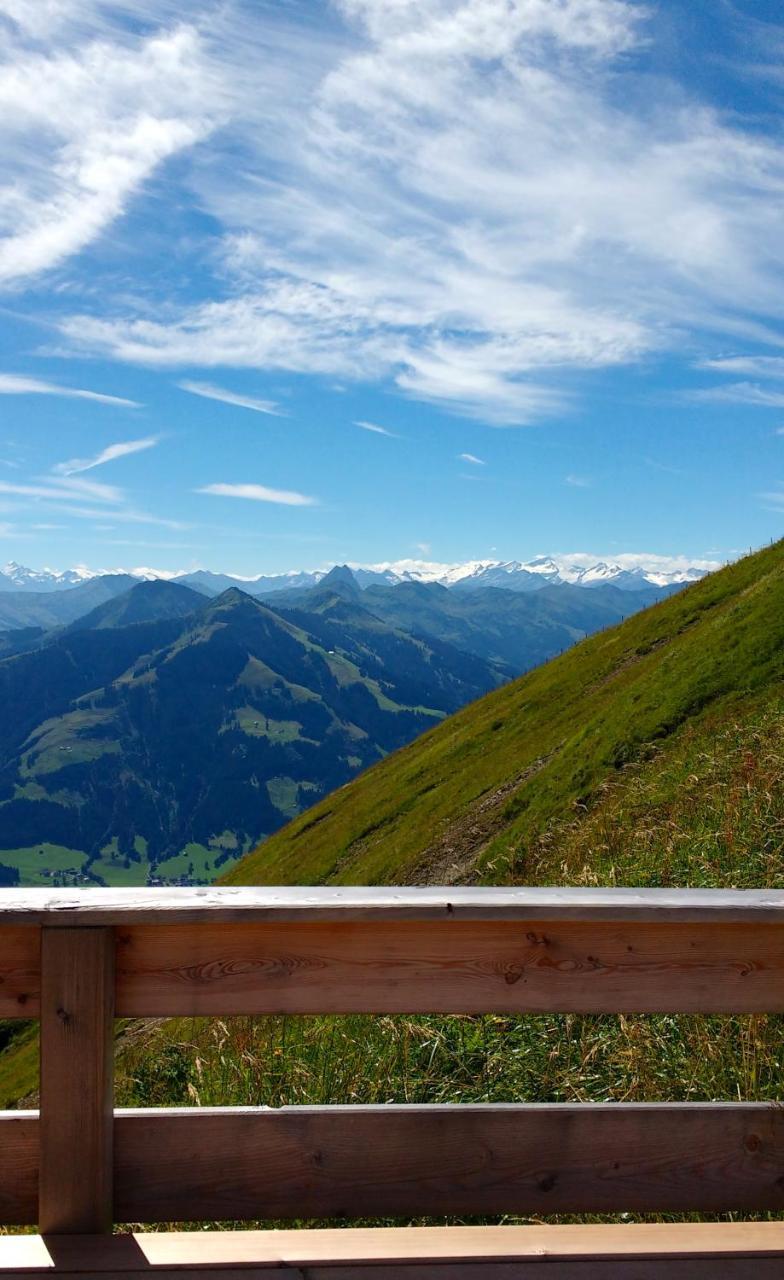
453, 857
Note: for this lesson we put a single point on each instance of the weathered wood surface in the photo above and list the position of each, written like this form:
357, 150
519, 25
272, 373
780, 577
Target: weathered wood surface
77, 1064
737, 1267
176, 1166
412, 966
436, 967
18, 1168
194, 905
212, 1164
20, 971
740, 1251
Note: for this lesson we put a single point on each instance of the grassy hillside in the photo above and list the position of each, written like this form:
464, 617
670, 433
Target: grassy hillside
508, 788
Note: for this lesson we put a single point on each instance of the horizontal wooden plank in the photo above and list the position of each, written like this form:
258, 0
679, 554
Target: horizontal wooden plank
18, 1168
438, 967
413, 1251
177, 1166
20, 971
327, 903
732, 1268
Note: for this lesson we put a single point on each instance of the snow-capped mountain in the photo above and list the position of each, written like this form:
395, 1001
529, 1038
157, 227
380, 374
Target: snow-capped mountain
17, 577
627, 573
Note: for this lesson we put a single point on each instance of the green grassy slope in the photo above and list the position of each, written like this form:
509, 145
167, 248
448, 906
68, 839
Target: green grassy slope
484, 795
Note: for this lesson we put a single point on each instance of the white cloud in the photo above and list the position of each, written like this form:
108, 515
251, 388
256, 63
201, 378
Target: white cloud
460, 196
259, 493
82, 127
61, 489
377, 430
740, 393
477, 202
109, 454
211, 392
470, 457
12, 384
70, 494
578, 482
751, 366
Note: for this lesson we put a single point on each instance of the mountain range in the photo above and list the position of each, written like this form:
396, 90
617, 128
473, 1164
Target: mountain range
167, 730
161, 732
513, 575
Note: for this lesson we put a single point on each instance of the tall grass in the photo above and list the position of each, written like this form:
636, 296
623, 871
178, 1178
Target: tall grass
278, 1061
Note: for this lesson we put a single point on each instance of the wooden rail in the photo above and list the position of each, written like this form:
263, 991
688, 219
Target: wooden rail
76, 960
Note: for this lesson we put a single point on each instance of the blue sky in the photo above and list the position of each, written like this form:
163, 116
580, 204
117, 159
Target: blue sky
536, 247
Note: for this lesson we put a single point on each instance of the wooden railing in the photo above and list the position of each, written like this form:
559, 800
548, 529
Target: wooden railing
77, 960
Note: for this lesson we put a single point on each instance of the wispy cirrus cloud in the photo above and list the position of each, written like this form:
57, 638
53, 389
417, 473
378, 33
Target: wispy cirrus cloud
376, 429
62, 489
578, 482
12, 384
85, 120
471, 200
750, 366
80, 499
478, 203
111, 453
259, 493
472, 458
210, 392
740, 393
770, 368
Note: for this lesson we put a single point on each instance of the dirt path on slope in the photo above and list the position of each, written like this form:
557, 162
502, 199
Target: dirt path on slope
452, 858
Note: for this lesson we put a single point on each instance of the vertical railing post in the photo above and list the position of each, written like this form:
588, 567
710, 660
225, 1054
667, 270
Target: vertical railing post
76, 1087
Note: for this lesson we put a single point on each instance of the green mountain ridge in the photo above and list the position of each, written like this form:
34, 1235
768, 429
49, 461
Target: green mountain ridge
517, 630
489, 795
164, 733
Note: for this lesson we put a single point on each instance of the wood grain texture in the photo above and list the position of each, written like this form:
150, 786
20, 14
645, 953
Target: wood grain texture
77, 1042
20, 970
446, 967
415, 1160
328, 903
18, 1168
414, 1252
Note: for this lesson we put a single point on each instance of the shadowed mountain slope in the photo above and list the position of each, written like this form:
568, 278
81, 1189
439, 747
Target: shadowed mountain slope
165, 733
58, 608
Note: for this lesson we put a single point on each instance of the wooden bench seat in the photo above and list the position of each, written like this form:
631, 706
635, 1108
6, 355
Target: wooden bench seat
704, 1251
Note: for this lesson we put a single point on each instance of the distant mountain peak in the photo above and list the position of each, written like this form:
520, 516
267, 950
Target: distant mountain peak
627, 572
341, 581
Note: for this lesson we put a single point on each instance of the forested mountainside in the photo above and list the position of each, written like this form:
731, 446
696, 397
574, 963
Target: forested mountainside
164, 733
